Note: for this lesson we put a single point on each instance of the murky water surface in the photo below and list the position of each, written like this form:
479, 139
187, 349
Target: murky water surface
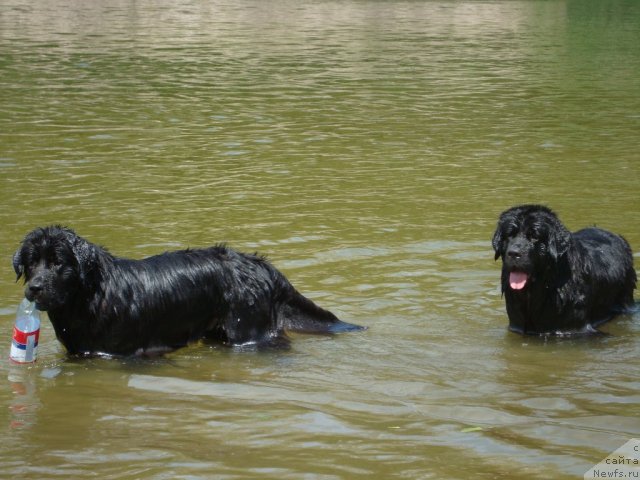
366, 147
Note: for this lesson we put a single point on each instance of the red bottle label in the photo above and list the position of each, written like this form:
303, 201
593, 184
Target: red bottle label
21, 337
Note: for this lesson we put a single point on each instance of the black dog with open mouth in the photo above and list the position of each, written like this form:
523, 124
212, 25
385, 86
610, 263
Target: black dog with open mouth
555, 281
102, 304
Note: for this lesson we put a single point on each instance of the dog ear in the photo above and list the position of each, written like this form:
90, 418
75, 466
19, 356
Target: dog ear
559, 241
85, 253
18, 263
498, 242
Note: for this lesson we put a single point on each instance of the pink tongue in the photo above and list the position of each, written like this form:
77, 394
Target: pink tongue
518, 280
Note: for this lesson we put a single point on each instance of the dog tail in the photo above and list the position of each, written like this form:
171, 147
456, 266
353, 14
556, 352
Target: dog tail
301, 315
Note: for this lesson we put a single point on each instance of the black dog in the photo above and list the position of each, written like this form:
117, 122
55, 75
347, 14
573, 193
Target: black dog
101, 304
555, 281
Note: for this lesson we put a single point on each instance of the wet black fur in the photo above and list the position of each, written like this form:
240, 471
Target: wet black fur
576, 280
101, 304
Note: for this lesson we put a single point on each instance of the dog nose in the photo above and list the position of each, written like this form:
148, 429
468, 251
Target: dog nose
514, 253
35, 285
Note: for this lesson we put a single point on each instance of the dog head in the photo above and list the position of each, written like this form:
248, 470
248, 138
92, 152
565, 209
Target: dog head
529, 239
54, 262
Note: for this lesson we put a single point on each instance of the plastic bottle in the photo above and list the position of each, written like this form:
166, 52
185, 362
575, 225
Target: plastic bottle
26, 331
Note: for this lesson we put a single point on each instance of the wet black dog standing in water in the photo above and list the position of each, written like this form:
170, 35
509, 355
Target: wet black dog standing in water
555, 281
101, 304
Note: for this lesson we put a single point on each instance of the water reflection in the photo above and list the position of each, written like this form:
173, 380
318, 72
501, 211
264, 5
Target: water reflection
24, 402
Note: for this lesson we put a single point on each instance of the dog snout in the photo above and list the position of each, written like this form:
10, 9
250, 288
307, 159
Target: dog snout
514, 252
36, 285
517, 249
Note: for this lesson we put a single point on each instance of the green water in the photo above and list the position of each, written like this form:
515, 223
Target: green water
365, 147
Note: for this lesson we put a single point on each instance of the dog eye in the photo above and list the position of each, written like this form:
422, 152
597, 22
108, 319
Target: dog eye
537, 235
